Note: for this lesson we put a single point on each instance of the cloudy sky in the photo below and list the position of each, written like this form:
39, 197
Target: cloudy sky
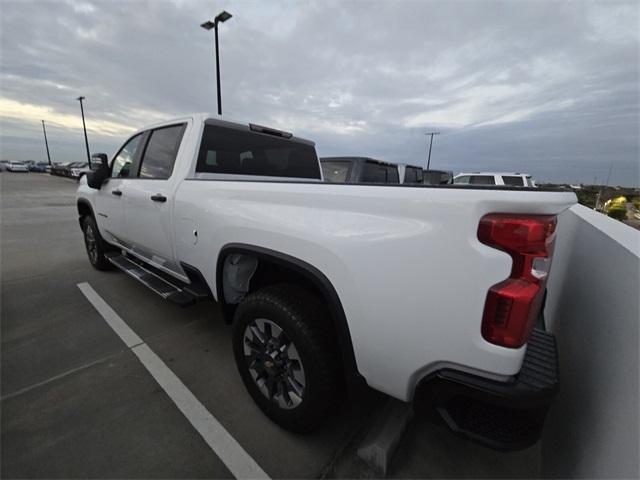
549, 88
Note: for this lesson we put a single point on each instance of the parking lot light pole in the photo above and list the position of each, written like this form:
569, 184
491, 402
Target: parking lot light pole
208, 25
430, 145
86, 141
46, 144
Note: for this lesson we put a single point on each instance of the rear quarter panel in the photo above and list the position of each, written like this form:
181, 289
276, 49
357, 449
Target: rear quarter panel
405, 262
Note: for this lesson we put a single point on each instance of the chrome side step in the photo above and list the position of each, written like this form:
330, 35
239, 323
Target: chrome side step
168, 290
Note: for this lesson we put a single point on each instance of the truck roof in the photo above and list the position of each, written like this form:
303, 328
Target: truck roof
214, 119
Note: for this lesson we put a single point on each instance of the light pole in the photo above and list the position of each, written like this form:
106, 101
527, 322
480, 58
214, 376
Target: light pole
86, 141
430, 145
46, 144
208, 25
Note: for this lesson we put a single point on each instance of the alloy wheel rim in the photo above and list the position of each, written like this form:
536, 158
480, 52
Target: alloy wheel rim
274, 363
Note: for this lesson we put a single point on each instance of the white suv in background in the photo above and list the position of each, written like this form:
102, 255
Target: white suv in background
506, 179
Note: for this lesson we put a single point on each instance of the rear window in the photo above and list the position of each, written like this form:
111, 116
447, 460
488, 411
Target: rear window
513, 181
413, 175
231, 151
335, 171
373, 172
482, 180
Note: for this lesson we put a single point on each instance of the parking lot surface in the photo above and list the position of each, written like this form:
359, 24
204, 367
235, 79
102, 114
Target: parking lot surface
77, 402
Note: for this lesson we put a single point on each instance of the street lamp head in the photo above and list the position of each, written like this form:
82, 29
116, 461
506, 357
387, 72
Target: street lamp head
208, 25
80, 98
223, 16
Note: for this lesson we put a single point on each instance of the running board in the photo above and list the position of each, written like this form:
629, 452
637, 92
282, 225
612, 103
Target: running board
164, 288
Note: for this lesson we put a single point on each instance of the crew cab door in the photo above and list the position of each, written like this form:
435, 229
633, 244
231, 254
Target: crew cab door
109, 199
148, 203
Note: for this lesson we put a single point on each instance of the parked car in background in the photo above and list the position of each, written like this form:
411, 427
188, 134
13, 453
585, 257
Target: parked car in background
38, 167
505, 179
3, 165
68, 170
437, 177
410, 174
59, 168
358, 170
17, 167
79, 169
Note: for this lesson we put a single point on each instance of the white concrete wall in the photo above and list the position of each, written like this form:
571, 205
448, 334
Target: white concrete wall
593, 309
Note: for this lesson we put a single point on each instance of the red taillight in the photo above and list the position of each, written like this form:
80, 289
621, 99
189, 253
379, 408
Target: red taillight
512, 306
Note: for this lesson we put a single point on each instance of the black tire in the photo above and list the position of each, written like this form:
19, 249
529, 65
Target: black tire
306, 325
95, 245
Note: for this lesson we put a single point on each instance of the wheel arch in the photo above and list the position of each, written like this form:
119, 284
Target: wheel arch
314, 277
84, 209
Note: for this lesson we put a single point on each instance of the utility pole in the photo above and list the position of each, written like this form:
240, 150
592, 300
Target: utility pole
86, 141
606, 185
430, 145
609, 174
46, 144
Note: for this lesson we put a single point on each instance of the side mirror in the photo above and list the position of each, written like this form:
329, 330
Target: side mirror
101, 173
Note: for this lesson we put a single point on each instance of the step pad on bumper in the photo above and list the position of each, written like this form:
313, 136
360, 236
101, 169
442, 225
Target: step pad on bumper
501, 415
151, 280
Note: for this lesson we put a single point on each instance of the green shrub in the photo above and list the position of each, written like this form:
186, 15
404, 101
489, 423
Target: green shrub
619, 213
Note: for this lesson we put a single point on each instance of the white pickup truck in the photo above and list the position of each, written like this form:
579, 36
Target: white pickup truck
430, 294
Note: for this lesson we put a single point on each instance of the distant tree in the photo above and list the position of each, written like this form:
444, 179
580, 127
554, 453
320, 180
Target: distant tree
587, 197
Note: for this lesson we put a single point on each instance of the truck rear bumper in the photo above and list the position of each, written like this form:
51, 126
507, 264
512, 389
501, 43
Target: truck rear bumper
501, 415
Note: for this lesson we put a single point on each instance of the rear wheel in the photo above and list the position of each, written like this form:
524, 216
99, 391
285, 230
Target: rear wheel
286, 354
95, 245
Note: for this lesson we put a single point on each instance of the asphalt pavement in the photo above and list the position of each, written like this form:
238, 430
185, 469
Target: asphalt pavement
76, 402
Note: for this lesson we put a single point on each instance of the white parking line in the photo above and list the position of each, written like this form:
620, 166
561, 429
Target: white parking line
236, 459
128, 336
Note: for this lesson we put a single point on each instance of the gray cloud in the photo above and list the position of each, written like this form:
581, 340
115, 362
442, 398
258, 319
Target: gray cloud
550, 88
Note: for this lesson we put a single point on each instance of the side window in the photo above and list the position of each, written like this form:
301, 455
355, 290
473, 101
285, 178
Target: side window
482, 180
160, 153
413, 175
392, 174
462, 180
513, 181
374, 173
121, 165
335, 171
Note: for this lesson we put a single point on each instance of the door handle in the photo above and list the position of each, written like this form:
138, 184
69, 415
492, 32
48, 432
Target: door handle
158, 198
117, 193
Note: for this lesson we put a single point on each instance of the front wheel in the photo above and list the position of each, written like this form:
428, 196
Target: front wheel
95, 245
286, 353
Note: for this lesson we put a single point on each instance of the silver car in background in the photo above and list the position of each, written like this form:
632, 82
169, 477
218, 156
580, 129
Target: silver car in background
502, 179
